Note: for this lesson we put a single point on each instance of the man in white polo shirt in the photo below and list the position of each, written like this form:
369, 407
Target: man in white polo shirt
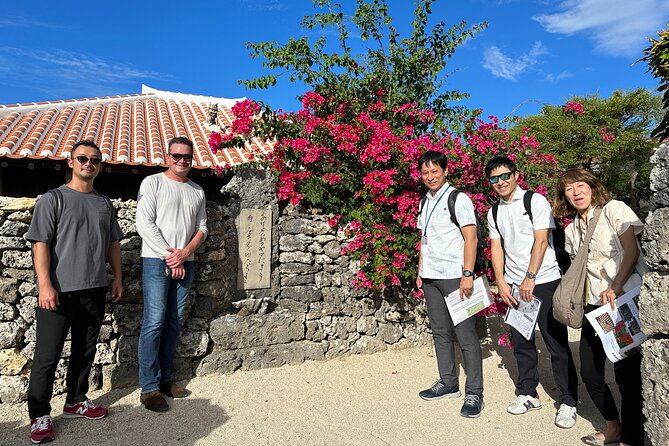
522, 255
445, 263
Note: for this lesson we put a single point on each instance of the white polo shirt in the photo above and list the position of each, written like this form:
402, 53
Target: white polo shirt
442, 245
517, 231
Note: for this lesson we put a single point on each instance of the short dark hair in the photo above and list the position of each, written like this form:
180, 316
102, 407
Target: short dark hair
86, 143
180, 140
600, 196
433, 157
499, 161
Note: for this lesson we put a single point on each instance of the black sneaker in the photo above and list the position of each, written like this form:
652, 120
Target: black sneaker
472, 406
439, 390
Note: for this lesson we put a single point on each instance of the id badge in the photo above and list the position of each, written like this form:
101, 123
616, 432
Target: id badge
424, 239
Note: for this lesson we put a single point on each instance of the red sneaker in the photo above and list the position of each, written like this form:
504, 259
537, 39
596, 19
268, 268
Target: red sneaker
86, 409
41, 429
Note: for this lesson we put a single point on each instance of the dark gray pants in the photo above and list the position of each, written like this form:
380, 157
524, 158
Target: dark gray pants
557, 342
445, 335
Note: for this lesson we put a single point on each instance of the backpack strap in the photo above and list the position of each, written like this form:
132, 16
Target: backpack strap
451, 206
58, 196
527, 201
495, 209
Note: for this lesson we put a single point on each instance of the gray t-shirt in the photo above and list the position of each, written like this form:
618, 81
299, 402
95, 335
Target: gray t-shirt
80, 242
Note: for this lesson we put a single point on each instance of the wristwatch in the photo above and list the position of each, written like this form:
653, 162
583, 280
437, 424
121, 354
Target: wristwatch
467, 273
531, 275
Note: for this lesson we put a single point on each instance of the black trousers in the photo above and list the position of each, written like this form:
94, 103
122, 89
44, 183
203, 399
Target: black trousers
82, 311
628, 378
557, 342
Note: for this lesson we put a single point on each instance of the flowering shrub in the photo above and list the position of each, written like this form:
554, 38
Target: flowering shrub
361, 165
575, 108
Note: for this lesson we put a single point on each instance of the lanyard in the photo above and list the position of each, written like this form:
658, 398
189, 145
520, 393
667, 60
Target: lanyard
433, 208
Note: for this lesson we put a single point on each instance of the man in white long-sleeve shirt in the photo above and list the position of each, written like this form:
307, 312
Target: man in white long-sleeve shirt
172, 221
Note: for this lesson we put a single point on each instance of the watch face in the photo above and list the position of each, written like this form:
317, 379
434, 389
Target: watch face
467, 273
531, 275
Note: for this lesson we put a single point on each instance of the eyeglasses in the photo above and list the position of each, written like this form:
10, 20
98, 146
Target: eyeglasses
178, 157
84, 159
502, 176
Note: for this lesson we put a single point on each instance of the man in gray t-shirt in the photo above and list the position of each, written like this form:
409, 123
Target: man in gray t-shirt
74, 232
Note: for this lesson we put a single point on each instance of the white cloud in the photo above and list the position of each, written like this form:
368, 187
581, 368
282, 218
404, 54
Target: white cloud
618, 27
550, 77
67, 73
501, 65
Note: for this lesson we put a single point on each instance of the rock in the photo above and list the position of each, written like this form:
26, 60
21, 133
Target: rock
368, 344
7, 312
296, 257
654, 304
219, 361
211, 256
9, 289
301, 293
12, 361
333, 249
15, 228
231, 331
213, 212
297, 242
131, 257
13, 243
297, 279
192, 344
390, 333
212, 288
24, 275
314, 331
298, 268
654, 373
279, 355
197, 324
11, 334
11, 204
294, 306
209, 271
118, 376
131, 243
105, 333
26, 308
13, 389
127, 318
315, 248
655, 239
367, 325
127, 349
104, 354
23, 216
128, 228
27, 289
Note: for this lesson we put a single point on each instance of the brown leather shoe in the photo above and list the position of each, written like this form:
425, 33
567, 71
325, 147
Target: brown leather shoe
174, 390
154, 401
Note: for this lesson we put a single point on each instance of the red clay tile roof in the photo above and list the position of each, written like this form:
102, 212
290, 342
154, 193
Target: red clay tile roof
130, 129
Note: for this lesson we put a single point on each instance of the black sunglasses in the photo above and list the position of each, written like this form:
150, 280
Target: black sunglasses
178, 157
502, 176
84, 159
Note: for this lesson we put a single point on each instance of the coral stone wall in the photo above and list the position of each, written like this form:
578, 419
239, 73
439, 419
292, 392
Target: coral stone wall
654, 304
309, 312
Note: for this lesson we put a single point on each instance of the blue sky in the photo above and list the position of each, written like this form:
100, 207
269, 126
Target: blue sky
533, 52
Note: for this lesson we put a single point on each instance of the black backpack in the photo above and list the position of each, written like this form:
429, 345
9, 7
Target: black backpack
562, 256
479, 263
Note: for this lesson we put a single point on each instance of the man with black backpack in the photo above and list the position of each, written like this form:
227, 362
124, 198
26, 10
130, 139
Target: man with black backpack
448, 245
523, 255
74, 232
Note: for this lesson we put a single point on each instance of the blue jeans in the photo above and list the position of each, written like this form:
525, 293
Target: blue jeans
164, 305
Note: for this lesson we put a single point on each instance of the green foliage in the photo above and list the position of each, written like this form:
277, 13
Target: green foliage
406, 69
657, 58
610, 136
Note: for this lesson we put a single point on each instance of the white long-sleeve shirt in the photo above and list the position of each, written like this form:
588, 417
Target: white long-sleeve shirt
169, 214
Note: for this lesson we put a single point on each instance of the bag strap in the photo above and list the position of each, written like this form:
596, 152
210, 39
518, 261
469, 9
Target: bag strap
451, 206
591, 229
527, 202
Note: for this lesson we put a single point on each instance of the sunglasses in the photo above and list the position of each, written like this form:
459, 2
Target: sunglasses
503, 176
178, 157
84, 159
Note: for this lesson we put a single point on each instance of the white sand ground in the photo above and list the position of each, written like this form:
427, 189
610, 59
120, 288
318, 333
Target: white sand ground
365, 400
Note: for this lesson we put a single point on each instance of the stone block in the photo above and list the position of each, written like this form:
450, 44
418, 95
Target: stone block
9, 290
296, 257
367, 345
11, 204
390, 333
654, 373
333, 249
28, 289
128, 228
127, 318
219, 361
11, 334
211, 256
118, 376
23, 216
12, 361
279, 355
192, 344
126, 351
305, 293
209, 271
105, 333
297, 279
13, 243
233, 332
211, 288
214, 243
24, 275
132, 291
13, 389
131, 243
298, 268
13, 228
655, 239
294, 242
104, 354
294, 305
314, 331
131, 257
315, 248
367, 325
7, 312
654, 303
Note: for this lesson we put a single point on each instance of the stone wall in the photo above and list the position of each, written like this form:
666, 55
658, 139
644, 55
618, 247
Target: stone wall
309, 312
654, 304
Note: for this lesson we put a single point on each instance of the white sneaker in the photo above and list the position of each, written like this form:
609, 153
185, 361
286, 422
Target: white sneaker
522, 404
565, 417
